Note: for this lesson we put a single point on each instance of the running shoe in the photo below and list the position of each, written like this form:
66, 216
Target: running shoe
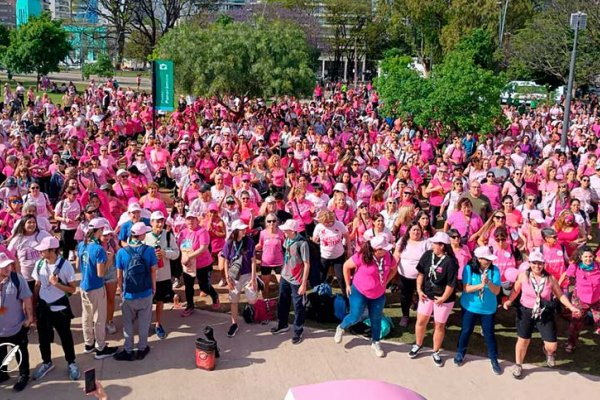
42, 371
74, 372
377, 349
414, 351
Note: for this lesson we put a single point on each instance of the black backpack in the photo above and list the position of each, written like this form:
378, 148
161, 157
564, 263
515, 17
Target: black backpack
320, 308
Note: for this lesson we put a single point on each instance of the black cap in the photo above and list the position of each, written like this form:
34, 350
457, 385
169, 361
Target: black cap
204, 188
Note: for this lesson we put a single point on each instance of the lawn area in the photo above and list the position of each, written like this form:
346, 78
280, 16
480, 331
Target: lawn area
30, 82
585, 359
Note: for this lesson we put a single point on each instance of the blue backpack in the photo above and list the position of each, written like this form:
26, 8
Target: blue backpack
386, 325
137, 277
340, 310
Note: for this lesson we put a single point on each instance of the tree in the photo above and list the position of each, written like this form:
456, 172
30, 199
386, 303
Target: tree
542, 49
103, 67
37, 46
118, 15
137, 47
239, 59
481, 45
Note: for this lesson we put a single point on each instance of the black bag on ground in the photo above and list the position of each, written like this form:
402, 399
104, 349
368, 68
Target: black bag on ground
320, 308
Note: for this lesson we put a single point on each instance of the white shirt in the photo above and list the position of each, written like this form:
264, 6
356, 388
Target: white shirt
42, 272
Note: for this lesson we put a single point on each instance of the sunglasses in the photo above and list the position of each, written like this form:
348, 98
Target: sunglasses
454, 237
499, 217
363, 206
35, 187
245, 198
501, 239
17, 201
271, 221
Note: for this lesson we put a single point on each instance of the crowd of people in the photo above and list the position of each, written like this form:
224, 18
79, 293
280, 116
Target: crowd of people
260, 194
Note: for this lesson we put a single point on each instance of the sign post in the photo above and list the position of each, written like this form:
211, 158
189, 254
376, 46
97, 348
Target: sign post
162, 88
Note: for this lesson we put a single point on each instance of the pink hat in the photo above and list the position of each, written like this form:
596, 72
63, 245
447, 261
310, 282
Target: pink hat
289, 225
139, 228
49, 242
5, 261
246, 177
213, 207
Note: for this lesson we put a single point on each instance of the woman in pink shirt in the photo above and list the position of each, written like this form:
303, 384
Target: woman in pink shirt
270, 243
568, 233
152, 200
302, 210
437, 190
536, 310
68, 211
586, 296
197, 262
367, 275
492, 190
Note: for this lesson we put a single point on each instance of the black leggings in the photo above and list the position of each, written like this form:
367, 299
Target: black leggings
338, 269
407, 291
176, 267
67, 236
203, 276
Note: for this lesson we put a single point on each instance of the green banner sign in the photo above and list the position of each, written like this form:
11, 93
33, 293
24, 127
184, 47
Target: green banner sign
163, 89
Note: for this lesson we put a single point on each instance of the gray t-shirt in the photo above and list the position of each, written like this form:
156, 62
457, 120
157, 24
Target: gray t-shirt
11, 301
296, 254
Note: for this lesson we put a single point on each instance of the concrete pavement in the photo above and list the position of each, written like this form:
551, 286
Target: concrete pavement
257, 365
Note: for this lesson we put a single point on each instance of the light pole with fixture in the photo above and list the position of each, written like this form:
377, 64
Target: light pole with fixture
578, 22
503, 5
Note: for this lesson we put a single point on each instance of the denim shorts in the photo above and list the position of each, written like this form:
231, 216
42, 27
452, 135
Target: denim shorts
111, 274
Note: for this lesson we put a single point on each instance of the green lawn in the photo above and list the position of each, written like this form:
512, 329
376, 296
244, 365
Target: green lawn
56, 97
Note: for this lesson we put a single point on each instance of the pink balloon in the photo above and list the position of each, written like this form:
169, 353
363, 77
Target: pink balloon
511, 274
524, 266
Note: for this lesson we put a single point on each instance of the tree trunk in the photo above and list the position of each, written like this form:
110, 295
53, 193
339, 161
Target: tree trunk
120, 49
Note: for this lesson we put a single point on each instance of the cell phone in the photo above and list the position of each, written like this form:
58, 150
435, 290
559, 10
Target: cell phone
90, 380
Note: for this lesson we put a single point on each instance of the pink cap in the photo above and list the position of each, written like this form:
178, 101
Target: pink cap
49, 242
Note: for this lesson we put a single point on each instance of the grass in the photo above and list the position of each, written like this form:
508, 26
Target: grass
56, 97
585, 359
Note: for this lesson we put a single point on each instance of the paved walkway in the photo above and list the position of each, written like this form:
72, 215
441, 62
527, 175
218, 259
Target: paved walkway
258, 365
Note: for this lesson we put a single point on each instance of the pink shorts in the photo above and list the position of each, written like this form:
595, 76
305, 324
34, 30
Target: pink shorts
440, 312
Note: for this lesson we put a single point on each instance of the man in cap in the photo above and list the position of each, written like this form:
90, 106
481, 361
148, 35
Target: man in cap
16, 316
165, 247
91, 259
294, 281
135, 214
201, 203
136, 276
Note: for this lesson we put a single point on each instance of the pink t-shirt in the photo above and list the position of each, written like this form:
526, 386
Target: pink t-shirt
504, 261
272, 248
70, 210
555, 261
193, 240
410, 256
587, 283
528, 294
370, 279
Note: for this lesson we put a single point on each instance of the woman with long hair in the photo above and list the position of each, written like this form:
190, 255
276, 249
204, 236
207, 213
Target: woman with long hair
176, 223
437, 190
9, 215
492, 190
40, 199
68, 212
558, 202
366, 276
536, 310
152, 201
334, 242
270, 244
461, 252
110, 246
361, 223
408, 251
436, 287
569, 234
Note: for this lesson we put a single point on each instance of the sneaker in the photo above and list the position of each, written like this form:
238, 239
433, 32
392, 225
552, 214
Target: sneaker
278, 329
89, 349
339, 332
459, 359
42, 371
569, 348
187, 312
222, 283
232, 330
111, 329
297, 339
414, 351
517, 371
177, 283
550, 360
377, 349
124, 355
496, 367
437, 360
74, 372
107, 351
21, 383
403, 322
216, 306
141, 354
160, 332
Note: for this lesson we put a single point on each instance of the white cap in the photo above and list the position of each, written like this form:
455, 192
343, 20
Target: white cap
97, 223
380, 242
485, 253
191, 214
340, 187
5, 261
289, 225
139, 228
270, 199
238, 224
157, 215
121, 172
134, 207
440, 237
107, 231
49, 242
536, 256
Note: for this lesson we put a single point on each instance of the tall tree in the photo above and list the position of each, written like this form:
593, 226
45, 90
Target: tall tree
542, 49
37, 46
239, 59
118, 14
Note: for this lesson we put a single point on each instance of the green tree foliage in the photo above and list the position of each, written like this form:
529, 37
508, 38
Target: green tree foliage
37, 46
239, 59
138, 47
103, 67
481, 45
542, 49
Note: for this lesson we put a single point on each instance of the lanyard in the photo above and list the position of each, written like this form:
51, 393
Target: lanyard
432, 273
380, 268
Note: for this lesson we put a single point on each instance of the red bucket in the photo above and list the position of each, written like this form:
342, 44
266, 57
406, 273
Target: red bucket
205, 354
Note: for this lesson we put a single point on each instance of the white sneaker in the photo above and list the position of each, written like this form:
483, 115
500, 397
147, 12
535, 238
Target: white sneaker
222, 283
339, 332
111, 329
377, 349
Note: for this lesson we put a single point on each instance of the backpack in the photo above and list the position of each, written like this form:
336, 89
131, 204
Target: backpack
340, 308
386, 325
137, 277
14, 277
248, 313
61, 262
264, 310
320, 308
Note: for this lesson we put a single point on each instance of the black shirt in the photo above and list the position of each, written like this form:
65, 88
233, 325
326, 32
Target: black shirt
446, 274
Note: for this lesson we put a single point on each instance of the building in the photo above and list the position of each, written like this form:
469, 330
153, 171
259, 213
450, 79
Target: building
8, 15
26, 9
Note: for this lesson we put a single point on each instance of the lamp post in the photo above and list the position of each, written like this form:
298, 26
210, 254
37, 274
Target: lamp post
503, 5
578, 21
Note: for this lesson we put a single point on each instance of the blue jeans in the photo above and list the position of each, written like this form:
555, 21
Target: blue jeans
358, 302
288, 293
488, 323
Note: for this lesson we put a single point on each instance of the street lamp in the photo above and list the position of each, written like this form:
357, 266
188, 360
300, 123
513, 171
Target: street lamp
578, 21
503, 5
